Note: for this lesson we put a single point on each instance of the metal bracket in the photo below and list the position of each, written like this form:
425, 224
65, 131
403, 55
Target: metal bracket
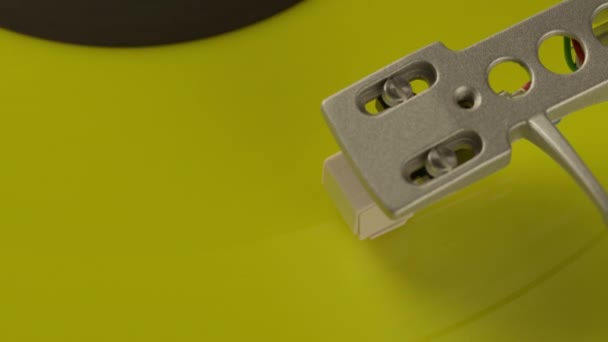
417, 149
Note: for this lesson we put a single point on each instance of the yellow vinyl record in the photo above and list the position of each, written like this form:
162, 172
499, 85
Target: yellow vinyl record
173, 193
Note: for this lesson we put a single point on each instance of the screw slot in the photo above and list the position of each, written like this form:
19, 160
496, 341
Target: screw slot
400, 87
444, 158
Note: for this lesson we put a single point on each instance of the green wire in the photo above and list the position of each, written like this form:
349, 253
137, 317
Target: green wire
568, 53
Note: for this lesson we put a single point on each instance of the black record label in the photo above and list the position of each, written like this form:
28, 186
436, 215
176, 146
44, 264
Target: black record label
133, 22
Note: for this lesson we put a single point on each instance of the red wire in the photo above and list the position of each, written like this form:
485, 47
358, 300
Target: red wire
580, 54
578, 48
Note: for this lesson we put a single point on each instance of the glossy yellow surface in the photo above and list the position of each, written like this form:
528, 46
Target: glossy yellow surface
173, 194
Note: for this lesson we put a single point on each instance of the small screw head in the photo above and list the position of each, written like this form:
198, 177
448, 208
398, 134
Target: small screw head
440, 161
397, 89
